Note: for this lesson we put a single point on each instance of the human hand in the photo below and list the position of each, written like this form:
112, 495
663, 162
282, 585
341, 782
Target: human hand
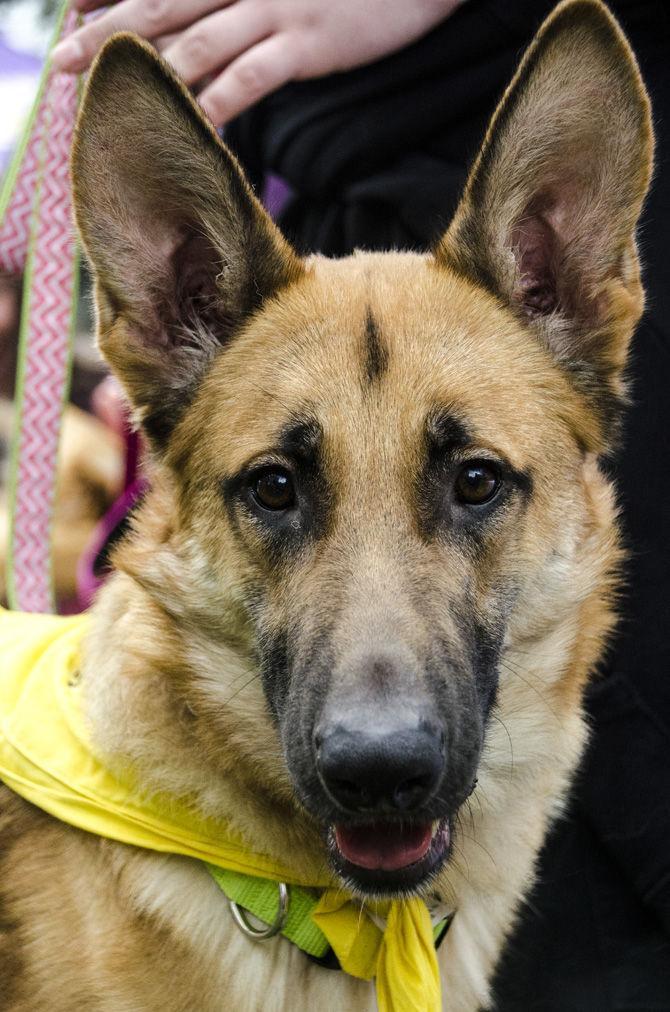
246, 49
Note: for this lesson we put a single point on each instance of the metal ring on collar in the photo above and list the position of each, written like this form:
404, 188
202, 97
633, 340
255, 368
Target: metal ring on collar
259, 934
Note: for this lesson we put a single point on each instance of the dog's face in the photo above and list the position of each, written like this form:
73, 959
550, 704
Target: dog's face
350, 461
382, 454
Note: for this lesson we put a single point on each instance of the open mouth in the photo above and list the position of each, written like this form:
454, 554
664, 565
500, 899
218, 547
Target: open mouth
387, 857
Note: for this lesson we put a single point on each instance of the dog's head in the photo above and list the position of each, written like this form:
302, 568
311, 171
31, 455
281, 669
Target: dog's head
383, 455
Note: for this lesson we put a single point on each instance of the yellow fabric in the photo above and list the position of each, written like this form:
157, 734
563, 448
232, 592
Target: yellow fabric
46, 756
408, 976
402, 958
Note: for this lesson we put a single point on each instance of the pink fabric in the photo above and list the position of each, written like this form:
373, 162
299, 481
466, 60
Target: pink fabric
90, 573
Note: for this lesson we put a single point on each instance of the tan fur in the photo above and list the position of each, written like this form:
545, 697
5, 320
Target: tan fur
171, 674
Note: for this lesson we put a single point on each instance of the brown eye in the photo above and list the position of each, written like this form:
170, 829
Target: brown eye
476, 483
273, 489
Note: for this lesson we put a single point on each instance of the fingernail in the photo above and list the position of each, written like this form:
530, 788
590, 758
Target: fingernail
207, 109
211, 108
68, 55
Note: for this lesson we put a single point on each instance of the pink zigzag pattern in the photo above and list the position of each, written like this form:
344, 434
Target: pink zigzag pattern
47, 338
15, 231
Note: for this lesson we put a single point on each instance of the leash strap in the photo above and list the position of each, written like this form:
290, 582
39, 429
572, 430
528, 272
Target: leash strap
36, 238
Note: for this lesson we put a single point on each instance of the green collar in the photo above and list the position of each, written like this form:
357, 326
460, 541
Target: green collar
261, 897
292, 919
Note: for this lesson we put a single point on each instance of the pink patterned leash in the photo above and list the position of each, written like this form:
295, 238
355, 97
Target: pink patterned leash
36, 237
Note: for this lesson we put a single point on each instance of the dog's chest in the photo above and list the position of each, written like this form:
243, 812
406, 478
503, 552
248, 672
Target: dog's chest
179, 899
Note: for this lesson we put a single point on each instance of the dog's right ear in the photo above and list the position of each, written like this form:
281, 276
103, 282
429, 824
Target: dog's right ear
182, 252
547, 222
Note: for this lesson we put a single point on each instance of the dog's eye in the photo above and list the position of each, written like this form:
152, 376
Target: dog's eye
273, 489
476, 483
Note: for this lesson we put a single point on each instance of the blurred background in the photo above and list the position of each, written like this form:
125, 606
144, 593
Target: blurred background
25, 27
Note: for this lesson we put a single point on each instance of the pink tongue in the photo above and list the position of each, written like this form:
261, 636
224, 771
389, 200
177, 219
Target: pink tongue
383, 846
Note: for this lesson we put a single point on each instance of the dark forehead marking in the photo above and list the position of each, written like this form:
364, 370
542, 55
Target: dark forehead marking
445, 429
301, 438
375, 352
278, 536
523, 479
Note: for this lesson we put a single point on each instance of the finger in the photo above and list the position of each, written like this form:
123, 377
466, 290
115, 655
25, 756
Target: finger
163, 42
214, 41
84, 6
251, 77
148, 18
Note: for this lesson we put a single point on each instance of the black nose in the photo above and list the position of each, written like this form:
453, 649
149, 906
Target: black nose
367, 771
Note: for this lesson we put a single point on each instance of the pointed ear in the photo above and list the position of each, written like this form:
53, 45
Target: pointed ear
547, 221
182, 252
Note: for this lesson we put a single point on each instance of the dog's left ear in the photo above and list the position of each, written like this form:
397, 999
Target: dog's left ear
182, 251
547, 221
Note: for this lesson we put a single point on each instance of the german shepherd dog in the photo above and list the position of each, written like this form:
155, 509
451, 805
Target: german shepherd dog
377, 565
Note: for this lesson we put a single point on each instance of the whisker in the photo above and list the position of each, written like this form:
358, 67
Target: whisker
481, 846
517, 672
242, 688
455, 864
273, 397
509, 738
